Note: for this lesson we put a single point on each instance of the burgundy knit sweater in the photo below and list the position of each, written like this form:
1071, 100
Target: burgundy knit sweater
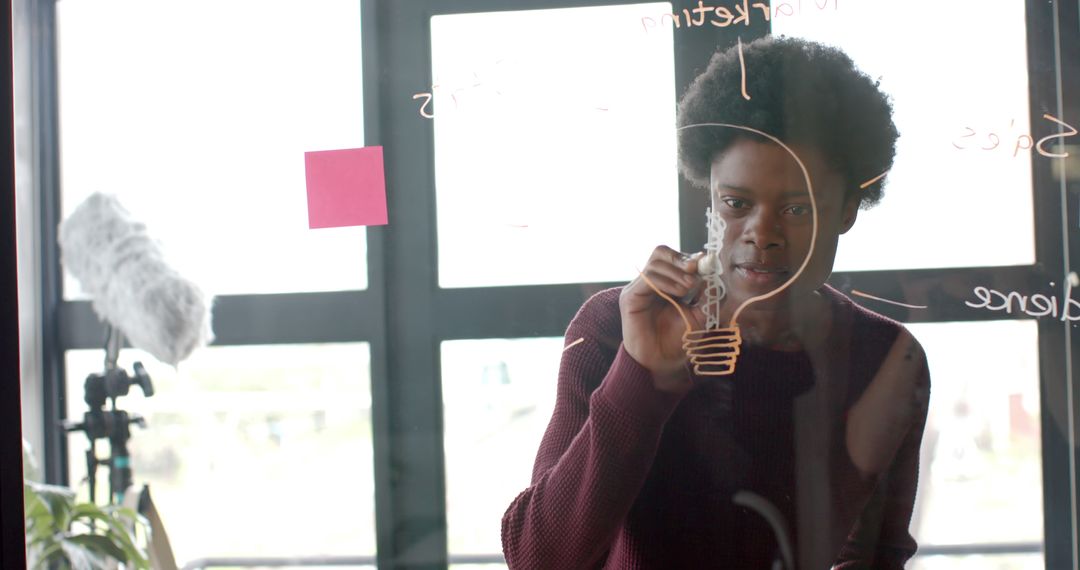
630, 478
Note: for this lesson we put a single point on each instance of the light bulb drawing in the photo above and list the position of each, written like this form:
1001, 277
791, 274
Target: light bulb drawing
714, 350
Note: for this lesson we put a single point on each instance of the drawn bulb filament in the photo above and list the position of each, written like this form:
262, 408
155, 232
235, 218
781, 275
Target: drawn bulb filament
710, 269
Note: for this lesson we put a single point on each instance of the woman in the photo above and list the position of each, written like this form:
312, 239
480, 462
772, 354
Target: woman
806, 454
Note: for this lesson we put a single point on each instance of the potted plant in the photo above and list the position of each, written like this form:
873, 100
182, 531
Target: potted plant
62, 533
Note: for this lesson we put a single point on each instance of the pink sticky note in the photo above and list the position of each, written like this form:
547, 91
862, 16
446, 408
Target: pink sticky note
346, 187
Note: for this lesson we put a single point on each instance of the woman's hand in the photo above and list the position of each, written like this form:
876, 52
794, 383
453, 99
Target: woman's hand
652, 327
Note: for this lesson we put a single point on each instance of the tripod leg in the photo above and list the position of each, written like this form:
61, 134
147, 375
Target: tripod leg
91, 469
120, 461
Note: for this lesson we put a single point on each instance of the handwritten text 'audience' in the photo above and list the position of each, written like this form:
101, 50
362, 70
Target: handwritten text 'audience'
1037, 305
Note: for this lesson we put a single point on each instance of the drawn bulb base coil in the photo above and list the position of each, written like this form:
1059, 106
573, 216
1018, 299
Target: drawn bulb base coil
713, 352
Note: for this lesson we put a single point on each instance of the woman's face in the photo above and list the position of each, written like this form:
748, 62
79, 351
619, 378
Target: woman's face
761, 193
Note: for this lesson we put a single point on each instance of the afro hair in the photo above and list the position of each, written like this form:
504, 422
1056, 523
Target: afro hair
802, 92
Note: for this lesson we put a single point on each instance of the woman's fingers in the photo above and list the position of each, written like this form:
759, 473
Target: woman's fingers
653, 321
674, 269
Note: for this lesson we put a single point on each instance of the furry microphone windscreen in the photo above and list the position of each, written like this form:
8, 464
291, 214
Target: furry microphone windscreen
133, 288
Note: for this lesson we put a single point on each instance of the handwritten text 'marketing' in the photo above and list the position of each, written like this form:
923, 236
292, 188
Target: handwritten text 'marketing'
722, 16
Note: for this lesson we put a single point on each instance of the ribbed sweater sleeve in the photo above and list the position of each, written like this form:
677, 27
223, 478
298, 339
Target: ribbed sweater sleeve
880, 539
595, 454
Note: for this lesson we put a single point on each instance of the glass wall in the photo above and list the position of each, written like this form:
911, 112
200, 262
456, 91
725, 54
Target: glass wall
196, 116
383, 392
509, 181
244, 446
982, 435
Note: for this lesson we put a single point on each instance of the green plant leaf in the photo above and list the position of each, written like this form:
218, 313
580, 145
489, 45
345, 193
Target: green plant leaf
43, 546
38, 517
132, 519
99, 544
127, 513
119, 528
52, 552
82, 558
63, 534
44, 489
136, 556
42, 529
115, 529
88, 510
59, 501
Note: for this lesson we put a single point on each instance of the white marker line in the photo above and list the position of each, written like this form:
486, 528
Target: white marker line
873, 180
575, 343
742, 68
898, 303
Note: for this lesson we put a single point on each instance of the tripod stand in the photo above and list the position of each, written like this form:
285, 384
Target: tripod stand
112, 424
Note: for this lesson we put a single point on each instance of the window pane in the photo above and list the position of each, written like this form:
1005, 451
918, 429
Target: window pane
979, 562
197, 115
546, 149
973, 74
982, 436
498, 396
247, 449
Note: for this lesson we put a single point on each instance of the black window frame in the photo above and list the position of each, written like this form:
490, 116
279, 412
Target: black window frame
13, 537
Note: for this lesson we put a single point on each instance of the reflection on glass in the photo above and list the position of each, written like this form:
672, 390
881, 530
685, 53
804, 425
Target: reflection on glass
547, 149
982, 438
197, 115
972, 76
247, 449
498, 396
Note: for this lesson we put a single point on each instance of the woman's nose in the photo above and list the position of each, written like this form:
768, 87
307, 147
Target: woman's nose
764, 231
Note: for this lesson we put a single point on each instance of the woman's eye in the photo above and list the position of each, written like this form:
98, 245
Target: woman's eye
736, 203
797, 210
